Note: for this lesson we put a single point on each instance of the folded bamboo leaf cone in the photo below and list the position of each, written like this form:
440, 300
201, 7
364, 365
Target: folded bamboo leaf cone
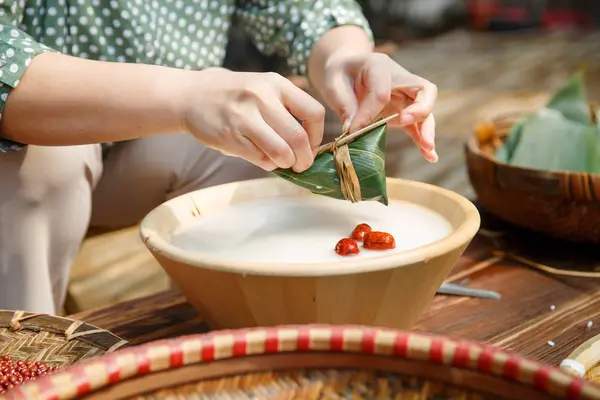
350, 168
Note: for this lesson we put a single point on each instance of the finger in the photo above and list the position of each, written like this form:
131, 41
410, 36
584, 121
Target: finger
428, 133
396, 105
376, 78
253, 154
286, 126
340, 96
413, 132
268, 141
428, 139
308, 110
424, 94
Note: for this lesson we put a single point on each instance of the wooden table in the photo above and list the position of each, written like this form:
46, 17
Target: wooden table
543, 316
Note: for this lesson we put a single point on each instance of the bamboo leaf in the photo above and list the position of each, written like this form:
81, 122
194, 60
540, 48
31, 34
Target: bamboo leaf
504, 153
557, 137
594, 145
550, 141
571, 100
368, 156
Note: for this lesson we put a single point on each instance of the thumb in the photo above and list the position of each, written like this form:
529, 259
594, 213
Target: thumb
340, 97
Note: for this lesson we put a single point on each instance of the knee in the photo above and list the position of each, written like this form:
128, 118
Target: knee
36, 173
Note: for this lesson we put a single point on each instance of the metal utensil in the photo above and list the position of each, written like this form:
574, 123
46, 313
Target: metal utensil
460, 290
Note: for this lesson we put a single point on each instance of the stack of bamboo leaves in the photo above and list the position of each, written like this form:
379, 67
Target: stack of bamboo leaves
562, 136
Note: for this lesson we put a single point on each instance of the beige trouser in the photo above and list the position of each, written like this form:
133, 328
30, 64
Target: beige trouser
50, 195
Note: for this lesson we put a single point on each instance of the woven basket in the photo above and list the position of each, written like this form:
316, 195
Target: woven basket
53, 340
562, 204
309, 362
584, 361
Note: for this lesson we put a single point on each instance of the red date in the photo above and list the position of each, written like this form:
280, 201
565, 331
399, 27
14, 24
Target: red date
360, 231
379, 241
346, 247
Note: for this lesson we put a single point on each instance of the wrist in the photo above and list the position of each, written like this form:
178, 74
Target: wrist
347, 53
177, 94
197, 91
337, 47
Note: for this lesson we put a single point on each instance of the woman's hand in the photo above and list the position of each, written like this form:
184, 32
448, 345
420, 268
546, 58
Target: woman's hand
261, 117
361, 87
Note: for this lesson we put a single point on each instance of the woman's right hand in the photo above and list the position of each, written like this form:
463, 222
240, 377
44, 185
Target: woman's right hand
255, 116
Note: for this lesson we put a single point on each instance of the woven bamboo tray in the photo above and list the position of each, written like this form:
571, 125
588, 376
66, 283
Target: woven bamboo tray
562, 204
53, 340
309, 362
584, 361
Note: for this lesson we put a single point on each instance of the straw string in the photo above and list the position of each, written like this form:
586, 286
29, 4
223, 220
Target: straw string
349, 183
346, 139
546, 268
17, 318
496, 236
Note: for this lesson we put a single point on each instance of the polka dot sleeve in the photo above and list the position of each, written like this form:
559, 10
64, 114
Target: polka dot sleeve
291, 28
16, 52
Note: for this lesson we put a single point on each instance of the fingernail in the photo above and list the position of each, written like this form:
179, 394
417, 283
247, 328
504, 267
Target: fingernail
346, 125
301, 168
429, 138
433, 156
407, 119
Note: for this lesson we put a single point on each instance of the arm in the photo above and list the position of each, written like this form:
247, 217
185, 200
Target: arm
47, 98
51, 99
63, 100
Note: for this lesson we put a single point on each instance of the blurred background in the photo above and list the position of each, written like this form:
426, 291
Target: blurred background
488, 57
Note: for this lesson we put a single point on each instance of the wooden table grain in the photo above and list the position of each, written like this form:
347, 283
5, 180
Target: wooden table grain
540, 315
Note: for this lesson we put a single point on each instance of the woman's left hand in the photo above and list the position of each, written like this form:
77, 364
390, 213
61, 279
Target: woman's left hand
361, 88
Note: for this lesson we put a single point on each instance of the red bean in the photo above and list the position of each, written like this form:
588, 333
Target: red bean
14, 373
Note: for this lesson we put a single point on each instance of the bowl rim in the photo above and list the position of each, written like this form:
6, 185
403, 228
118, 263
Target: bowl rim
583, 358
459, 237
569, 185
165, 354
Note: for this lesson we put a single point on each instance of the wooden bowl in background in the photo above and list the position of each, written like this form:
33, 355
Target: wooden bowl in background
391, 289
561, 204
309, 362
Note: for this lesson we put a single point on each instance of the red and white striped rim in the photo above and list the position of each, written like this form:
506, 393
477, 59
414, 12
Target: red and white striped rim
161, 355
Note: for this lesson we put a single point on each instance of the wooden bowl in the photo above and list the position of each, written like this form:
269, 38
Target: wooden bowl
387, 289
309, 362
561, 204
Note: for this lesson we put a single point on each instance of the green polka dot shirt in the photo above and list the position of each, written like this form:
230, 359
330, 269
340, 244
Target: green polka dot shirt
187, 34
